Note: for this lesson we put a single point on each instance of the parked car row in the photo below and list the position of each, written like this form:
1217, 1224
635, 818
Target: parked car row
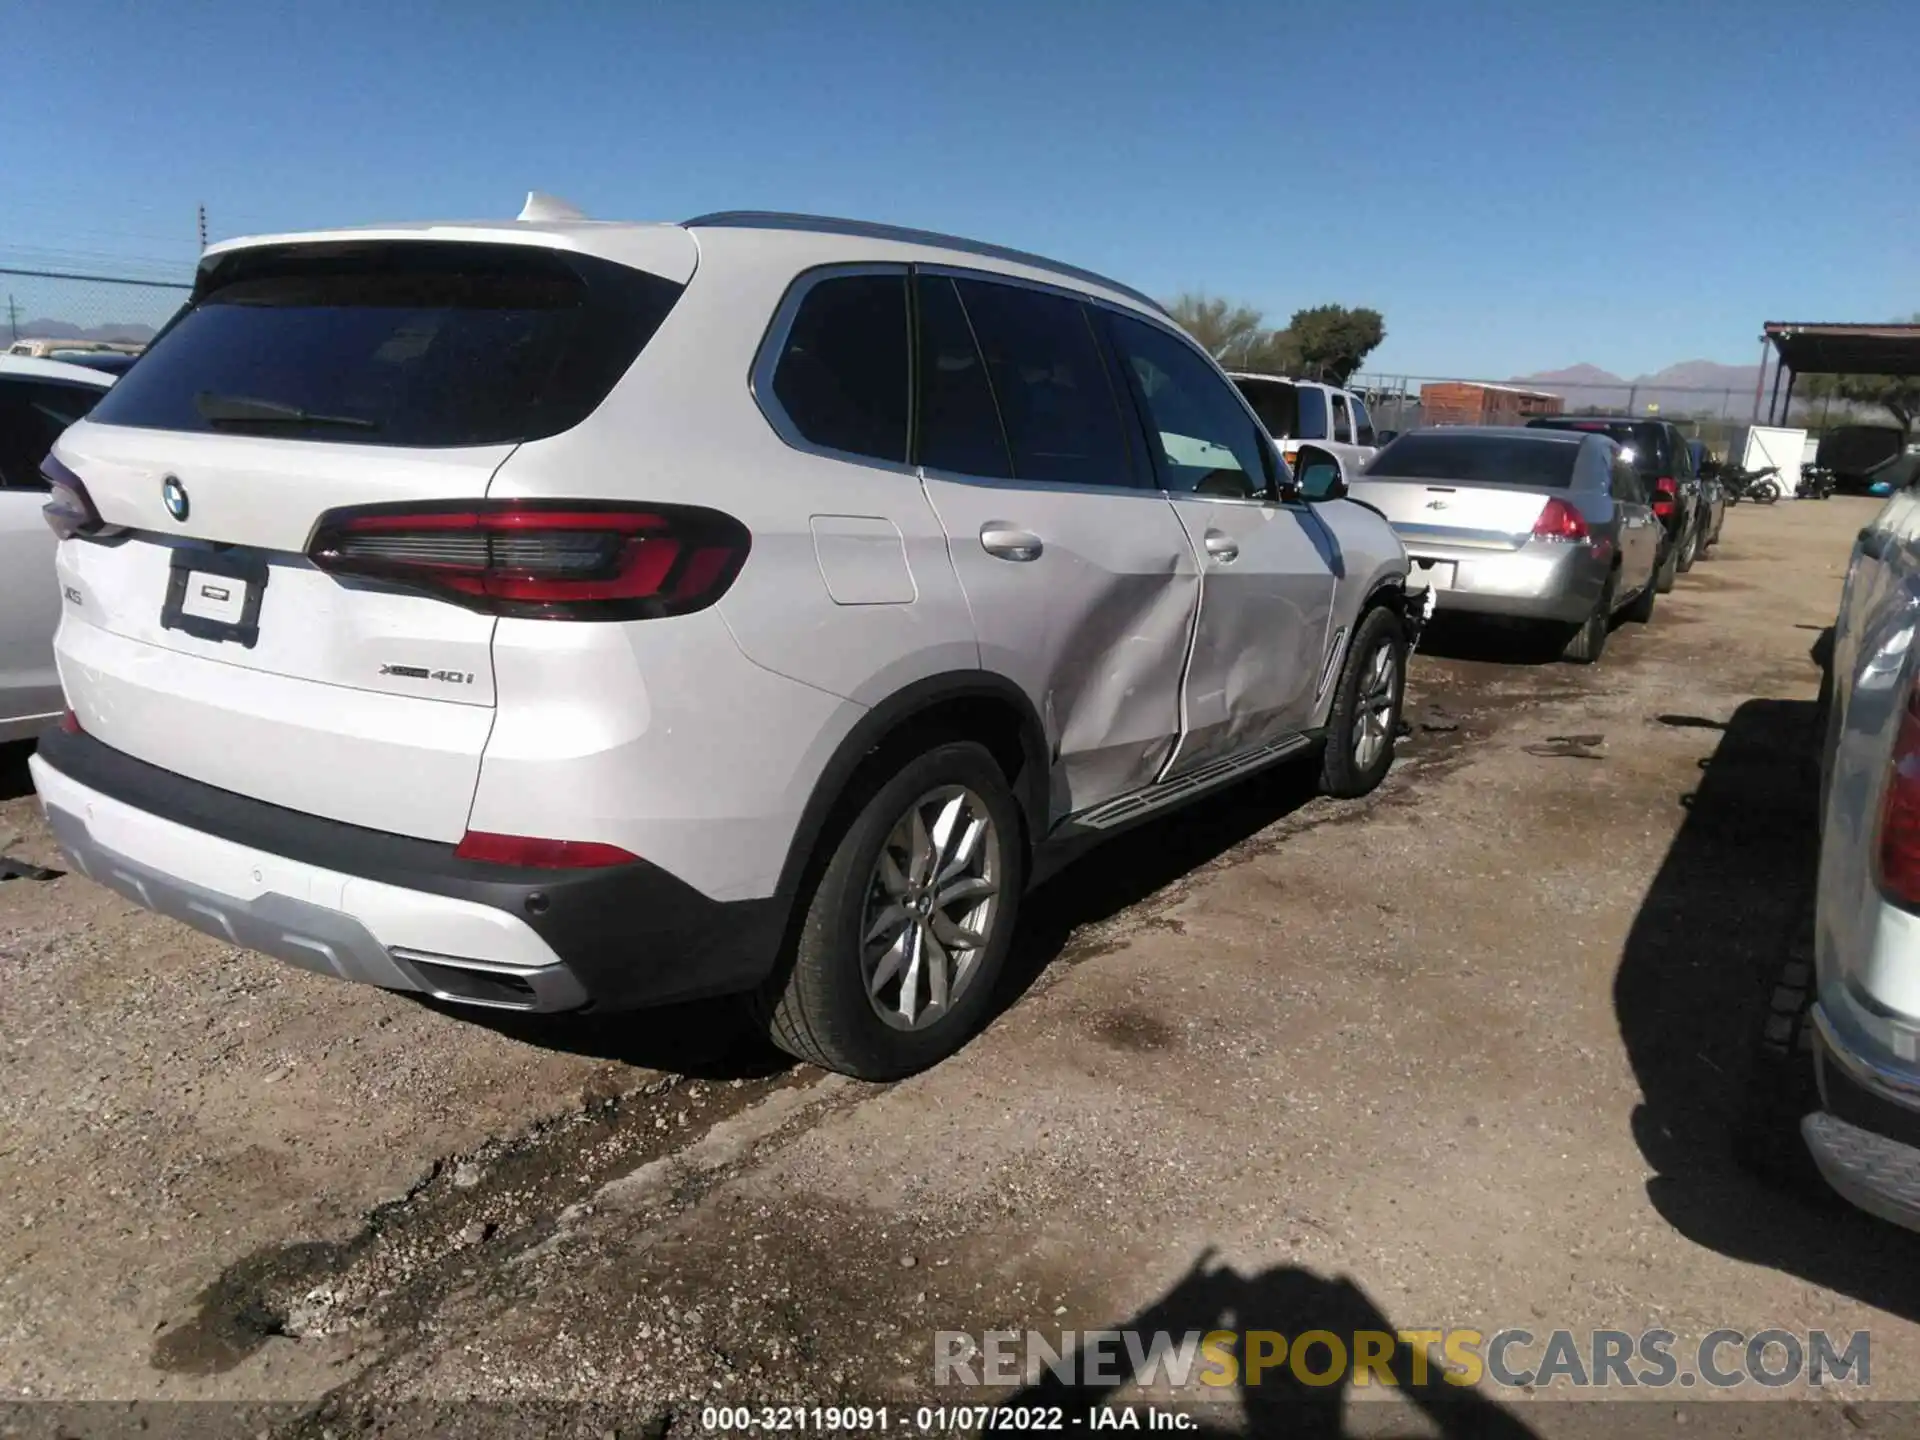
572, 616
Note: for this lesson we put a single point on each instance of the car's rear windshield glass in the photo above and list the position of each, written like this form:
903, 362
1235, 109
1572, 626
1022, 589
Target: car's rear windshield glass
413, 343
1273, 402
1478, 460
1647, 442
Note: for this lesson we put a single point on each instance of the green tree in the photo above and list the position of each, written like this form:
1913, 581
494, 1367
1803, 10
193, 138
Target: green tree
1332, 341
1229, 332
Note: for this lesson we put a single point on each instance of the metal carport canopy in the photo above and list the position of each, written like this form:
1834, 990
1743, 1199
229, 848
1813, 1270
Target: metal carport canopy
1831, 350
1846, 349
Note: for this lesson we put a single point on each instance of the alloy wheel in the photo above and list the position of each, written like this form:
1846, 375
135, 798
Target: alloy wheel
930, 909
1373, 714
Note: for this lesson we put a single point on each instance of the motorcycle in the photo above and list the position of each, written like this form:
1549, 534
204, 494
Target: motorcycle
1815, 483
1760, 486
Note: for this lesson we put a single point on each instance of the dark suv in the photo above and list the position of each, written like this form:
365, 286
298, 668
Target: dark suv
1666, 467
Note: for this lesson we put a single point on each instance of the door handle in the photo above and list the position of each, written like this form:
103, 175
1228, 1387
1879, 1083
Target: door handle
1222, 547
1009, 542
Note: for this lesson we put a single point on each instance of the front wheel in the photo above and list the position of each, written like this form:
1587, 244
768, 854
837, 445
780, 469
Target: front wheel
909, 923
1641, 610
1365, 719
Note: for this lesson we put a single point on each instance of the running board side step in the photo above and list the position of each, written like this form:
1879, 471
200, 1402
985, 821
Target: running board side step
1125, 809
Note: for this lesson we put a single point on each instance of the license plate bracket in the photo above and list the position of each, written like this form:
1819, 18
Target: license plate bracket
215, 595
1437, 573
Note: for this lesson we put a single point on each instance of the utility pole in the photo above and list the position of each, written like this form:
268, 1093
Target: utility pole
13, 316
203, 227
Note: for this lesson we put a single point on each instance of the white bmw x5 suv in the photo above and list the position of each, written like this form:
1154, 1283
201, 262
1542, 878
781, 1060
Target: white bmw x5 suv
550, 614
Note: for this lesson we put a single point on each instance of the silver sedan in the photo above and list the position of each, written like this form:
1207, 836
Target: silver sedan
1539, 525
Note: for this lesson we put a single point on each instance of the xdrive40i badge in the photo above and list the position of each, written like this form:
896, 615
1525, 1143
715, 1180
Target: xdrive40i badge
421, 672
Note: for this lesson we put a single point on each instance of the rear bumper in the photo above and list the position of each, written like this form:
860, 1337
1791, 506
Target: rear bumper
1865, 1138
390, 910
1539, 581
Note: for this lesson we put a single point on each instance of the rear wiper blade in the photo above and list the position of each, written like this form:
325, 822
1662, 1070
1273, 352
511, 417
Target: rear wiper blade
217, 409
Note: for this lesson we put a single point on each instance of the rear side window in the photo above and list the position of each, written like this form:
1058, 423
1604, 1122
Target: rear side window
1362, 422
959, 424
1205, 443
1478, 460
32, 415
1626, 481
1313, 414
1061, 414
1273, 402
842, 375
420, 344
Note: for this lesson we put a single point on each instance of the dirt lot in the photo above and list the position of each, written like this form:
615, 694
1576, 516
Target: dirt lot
1475, 1052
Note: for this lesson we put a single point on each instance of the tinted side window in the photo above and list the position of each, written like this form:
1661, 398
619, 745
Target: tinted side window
32, 415
1682, 457
1362, 422
1061, 415
1204, 441
960, 426
842, 373
1313, 413
1342, 426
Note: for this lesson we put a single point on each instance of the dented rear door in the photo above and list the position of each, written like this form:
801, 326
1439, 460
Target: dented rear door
1081, 581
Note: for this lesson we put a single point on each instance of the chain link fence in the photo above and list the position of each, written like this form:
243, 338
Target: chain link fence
1414, 402
50, 310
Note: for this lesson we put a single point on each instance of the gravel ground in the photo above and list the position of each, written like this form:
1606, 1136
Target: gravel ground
1489, 1049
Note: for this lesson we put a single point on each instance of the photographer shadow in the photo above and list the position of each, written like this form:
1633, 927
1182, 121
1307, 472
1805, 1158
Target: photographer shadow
1290, 1301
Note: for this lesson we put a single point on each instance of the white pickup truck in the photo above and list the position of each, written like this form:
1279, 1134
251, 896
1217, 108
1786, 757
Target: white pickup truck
1295, 411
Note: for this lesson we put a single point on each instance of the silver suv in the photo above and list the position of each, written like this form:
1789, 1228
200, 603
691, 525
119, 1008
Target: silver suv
550, 614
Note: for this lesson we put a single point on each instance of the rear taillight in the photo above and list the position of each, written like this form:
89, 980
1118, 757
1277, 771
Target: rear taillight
1560, 521
70, 723
541, 559
69, 509
1899, 863
533, 852
1666, 492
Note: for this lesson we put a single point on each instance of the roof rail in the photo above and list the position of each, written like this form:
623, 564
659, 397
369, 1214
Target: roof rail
871, 230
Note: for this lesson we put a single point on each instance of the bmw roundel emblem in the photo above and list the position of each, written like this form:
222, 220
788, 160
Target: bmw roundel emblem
175, 494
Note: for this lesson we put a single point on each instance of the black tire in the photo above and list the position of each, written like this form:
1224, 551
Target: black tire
1666, 571
1343, 773
1765, 493
1589, 639
1641, 610
816, 1008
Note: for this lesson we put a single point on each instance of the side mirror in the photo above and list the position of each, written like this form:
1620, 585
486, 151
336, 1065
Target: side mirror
1320, 476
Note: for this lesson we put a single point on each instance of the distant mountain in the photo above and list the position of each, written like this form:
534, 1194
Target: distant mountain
1692, 386
67, 330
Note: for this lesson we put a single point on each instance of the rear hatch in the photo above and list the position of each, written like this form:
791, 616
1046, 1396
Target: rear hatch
1458, 490
303, 378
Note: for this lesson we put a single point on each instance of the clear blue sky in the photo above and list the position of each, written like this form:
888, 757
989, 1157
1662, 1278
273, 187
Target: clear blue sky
1515, 186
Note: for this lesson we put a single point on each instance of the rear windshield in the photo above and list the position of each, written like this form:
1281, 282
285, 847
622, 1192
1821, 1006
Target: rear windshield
423, 344
1647, 441
1313, 414
1273, 402
1479, 460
